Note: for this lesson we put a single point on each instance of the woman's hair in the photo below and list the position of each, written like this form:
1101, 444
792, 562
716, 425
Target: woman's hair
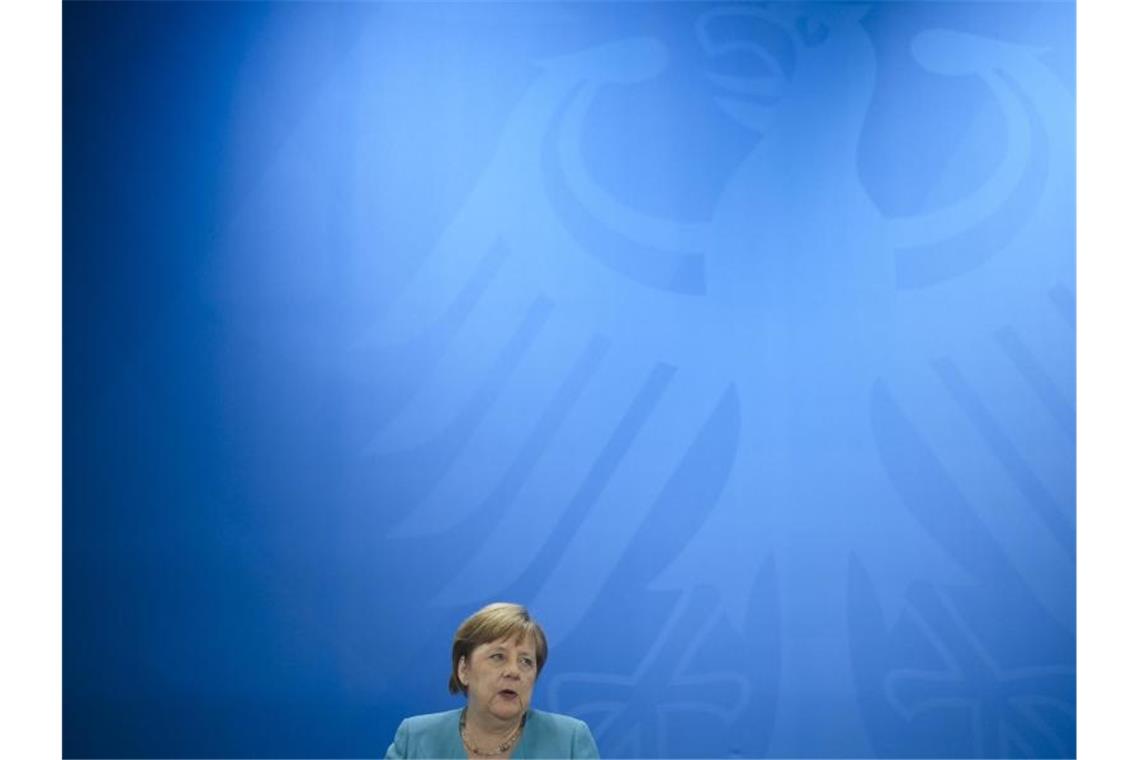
495, 621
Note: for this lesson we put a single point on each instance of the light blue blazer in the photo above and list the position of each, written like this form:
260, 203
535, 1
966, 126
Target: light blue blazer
545, 735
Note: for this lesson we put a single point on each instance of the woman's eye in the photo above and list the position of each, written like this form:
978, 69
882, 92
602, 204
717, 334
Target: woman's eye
497, 656
527, 662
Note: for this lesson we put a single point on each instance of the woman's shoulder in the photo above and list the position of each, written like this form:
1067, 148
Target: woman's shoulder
431, 735
553, 722
551, 718
429, 722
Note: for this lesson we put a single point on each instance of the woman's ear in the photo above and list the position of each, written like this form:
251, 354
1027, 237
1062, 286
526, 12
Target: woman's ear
462, 670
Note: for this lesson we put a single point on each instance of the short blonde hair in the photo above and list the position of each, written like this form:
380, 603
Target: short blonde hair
496, 621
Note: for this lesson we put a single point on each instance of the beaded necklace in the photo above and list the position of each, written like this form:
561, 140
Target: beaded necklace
500, 750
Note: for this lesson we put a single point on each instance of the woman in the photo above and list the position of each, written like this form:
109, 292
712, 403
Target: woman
497, 654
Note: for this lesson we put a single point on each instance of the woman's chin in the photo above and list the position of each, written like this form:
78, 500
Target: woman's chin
508, 708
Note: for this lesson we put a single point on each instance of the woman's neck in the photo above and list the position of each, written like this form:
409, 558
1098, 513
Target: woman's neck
490, 726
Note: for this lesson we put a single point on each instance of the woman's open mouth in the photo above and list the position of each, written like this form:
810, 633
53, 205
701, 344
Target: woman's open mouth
508, 694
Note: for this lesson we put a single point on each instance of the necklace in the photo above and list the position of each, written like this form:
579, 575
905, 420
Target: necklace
499, 750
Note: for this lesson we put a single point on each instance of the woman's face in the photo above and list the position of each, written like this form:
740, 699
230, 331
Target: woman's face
499, 677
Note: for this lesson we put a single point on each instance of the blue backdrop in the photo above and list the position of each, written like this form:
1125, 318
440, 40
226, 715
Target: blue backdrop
737, 341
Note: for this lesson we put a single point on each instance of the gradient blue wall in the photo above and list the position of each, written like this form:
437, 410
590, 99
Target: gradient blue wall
735, 340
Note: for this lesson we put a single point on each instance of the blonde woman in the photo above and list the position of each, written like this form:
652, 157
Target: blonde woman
496, 657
